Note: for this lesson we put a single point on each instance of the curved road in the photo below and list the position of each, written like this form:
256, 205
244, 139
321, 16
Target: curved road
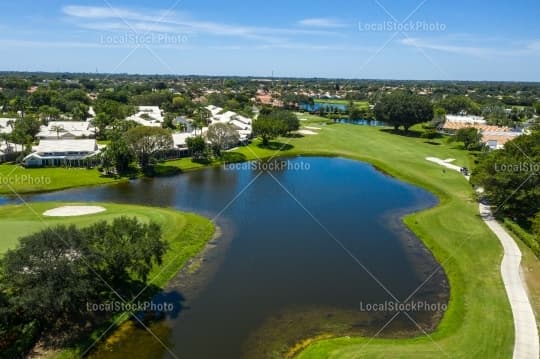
526, 345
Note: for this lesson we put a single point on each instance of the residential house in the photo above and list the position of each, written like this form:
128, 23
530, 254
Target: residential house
63, 130
495, 137
71, 153
149, 116
243, 125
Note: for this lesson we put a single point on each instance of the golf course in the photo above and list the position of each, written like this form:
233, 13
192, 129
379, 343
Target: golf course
467, 250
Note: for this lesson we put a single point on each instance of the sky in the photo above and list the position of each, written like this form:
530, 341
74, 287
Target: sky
376, 39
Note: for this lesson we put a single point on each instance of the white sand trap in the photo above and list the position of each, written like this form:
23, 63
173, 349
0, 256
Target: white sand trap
307, 132
312, 128
73, 211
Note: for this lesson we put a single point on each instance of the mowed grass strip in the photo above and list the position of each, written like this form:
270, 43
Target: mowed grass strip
29, 180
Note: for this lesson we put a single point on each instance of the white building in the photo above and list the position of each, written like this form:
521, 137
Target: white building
149, 116
180, 139
243, 125
61, 130
477, 120
6, 125
62, 153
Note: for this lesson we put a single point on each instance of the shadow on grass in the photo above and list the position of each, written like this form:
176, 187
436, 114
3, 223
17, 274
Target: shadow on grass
276, 146
162, 171
294, 135
409, 133
233, 157
432, 143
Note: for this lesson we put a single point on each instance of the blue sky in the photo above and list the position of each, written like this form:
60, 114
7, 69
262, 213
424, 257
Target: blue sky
431, 39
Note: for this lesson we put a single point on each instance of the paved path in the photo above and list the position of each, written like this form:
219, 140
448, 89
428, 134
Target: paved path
526, 333
526, 344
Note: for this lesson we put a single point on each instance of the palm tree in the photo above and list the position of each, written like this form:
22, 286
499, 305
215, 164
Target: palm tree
5, 137
58, 130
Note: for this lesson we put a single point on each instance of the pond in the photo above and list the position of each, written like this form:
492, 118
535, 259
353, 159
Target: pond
315, 247
315, 107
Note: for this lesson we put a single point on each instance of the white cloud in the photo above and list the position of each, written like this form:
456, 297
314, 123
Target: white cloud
464, 50
505, 49
123, 19
324, 22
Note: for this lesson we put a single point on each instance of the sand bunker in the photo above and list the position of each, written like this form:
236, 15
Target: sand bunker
73, 211
307, 132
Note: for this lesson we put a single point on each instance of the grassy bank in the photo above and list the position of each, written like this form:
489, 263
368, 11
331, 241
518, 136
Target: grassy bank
30, 180
186, 234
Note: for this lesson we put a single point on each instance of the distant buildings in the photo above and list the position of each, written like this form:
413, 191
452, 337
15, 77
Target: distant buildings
242, 124
149, 116
267, 98
495, 137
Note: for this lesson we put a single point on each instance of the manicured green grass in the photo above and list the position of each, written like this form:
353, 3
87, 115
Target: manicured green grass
186, 234
23, 180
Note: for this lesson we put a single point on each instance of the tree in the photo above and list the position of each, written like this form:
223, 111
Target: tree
510, 178
58, 129
101, 121
535, 228
49, 113
222, 136
52, 274
25, 130
537, 107
197, 146
79, 112
46, 275
470, 137
404, 109
267, 128
289, 119
126, 249
118, 155
457, 104
146, 142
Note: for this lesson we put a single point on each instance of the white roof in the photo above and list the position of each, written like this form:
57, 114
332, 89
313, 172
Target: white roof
56, 146
69, 126
214, 109
467, 119
240, 125
180, 139
155, 114
4, 127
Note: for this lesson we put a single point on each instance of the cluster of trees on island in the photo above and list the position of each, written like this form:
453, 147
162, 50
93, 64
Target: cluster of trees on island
48, 281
